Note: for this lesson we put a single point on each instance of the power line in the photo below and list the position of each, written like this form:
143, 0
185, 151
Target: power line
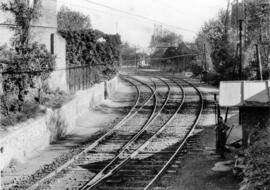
178, 56
49, 70
139, 16
173, 8
35, 26
165, 58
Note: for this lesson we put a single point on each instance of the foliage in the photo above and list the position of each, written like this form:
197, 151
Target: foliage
72, 20
130, 55
23, 16
215, 34
257, 175
196, 69
30, 110
93, 48
170, 55
22, 73
221, 38
22, 64
167, 37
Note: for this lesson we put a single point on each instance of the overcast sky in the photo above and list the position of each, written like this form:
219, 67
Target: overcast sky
186, 14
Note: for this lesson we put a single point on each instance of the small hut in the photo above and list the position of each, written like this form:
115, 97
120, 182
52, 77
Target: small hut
253, 100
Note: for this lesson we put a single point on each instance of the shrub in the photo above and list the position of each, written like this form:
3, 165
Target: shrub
21, 73
195, 69
91, 47
257, 175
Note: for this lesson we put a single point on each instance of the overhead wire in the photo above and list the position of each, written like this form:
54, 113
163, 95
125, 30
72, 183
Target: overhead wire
35, 26
164, 58
108, 7
141, 17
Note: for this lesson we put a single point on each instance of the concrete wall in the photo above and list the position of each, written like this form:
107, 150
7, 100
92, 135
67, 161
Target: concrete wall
36, 134
58, 79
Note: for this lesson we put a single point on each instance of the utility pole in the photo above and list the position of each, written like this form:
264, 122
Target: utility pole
245, 19
237, 16
259, 62
136, 65
204, 54
240, 48
204, 64
116, 27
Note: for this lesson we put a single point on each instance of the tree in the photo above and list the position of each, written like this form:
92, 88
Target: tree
167, 37
25, 60
215, 33
129, 54
72, 20
23, 15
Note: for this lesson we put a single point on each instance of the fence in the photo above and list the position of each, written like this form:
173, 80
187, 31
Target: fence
81, 78
78, 77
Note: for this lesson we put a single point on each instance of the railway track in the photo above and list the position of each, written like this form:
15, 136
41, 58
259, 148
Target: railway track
153, 158
37, 180
142, 147
116, 140
139, 140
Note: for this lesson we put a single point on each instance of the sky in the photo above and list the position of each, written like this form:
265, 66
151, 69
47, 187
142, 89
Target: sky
184, 17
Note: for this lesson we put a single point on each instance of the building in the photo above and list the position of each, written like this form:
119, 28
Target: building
43, 31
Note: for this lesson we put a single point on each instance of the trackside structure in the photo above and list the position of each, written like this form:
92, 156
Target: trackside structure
253, 100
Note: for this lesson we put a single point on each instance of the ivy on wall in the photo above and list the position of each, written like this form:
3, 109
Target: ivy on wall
91, 47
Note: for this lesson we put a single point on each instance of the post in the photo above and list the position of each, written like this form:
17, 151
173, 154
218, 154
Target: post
259, 73
136, 58
240, 48
205, 64
52, 43
204, 54
215, 98
105, 90
237, 16
226, 114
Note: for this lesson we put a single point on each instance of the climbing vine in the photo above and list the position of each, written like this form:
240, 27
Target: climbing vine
91, 47
28, 61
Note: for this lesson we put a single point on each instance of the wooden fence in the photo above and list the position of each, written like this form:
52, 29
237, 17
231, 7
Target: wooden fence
81, 78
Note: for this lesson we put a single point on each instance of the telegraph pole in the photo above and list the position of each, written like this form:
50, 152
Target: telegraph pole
237, 16
259, 62
240, 48
204, 64
136, 58
204, 54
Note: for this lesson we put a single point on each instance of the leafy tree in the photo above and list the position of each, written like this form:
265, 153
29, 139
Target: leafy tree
72, 20
23, 15
222, 50
129, 54
25, 60
167, 38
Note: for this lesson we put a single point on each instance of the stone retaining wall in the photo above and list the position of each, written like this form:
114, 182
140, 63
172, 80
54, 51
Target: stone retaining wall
36, 134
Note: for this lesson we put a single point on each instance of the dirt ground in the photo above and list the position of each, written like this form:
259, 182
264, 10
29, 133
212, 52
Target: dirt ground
196, 171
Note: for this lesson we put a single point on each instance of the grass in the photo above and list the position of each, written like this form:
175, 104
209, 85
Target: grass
31, 110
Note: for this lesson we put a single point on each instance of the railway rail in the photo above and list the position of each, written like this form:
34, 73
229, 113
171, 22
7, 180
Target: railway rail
112, 137
142, 147
149, 162
130, 151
